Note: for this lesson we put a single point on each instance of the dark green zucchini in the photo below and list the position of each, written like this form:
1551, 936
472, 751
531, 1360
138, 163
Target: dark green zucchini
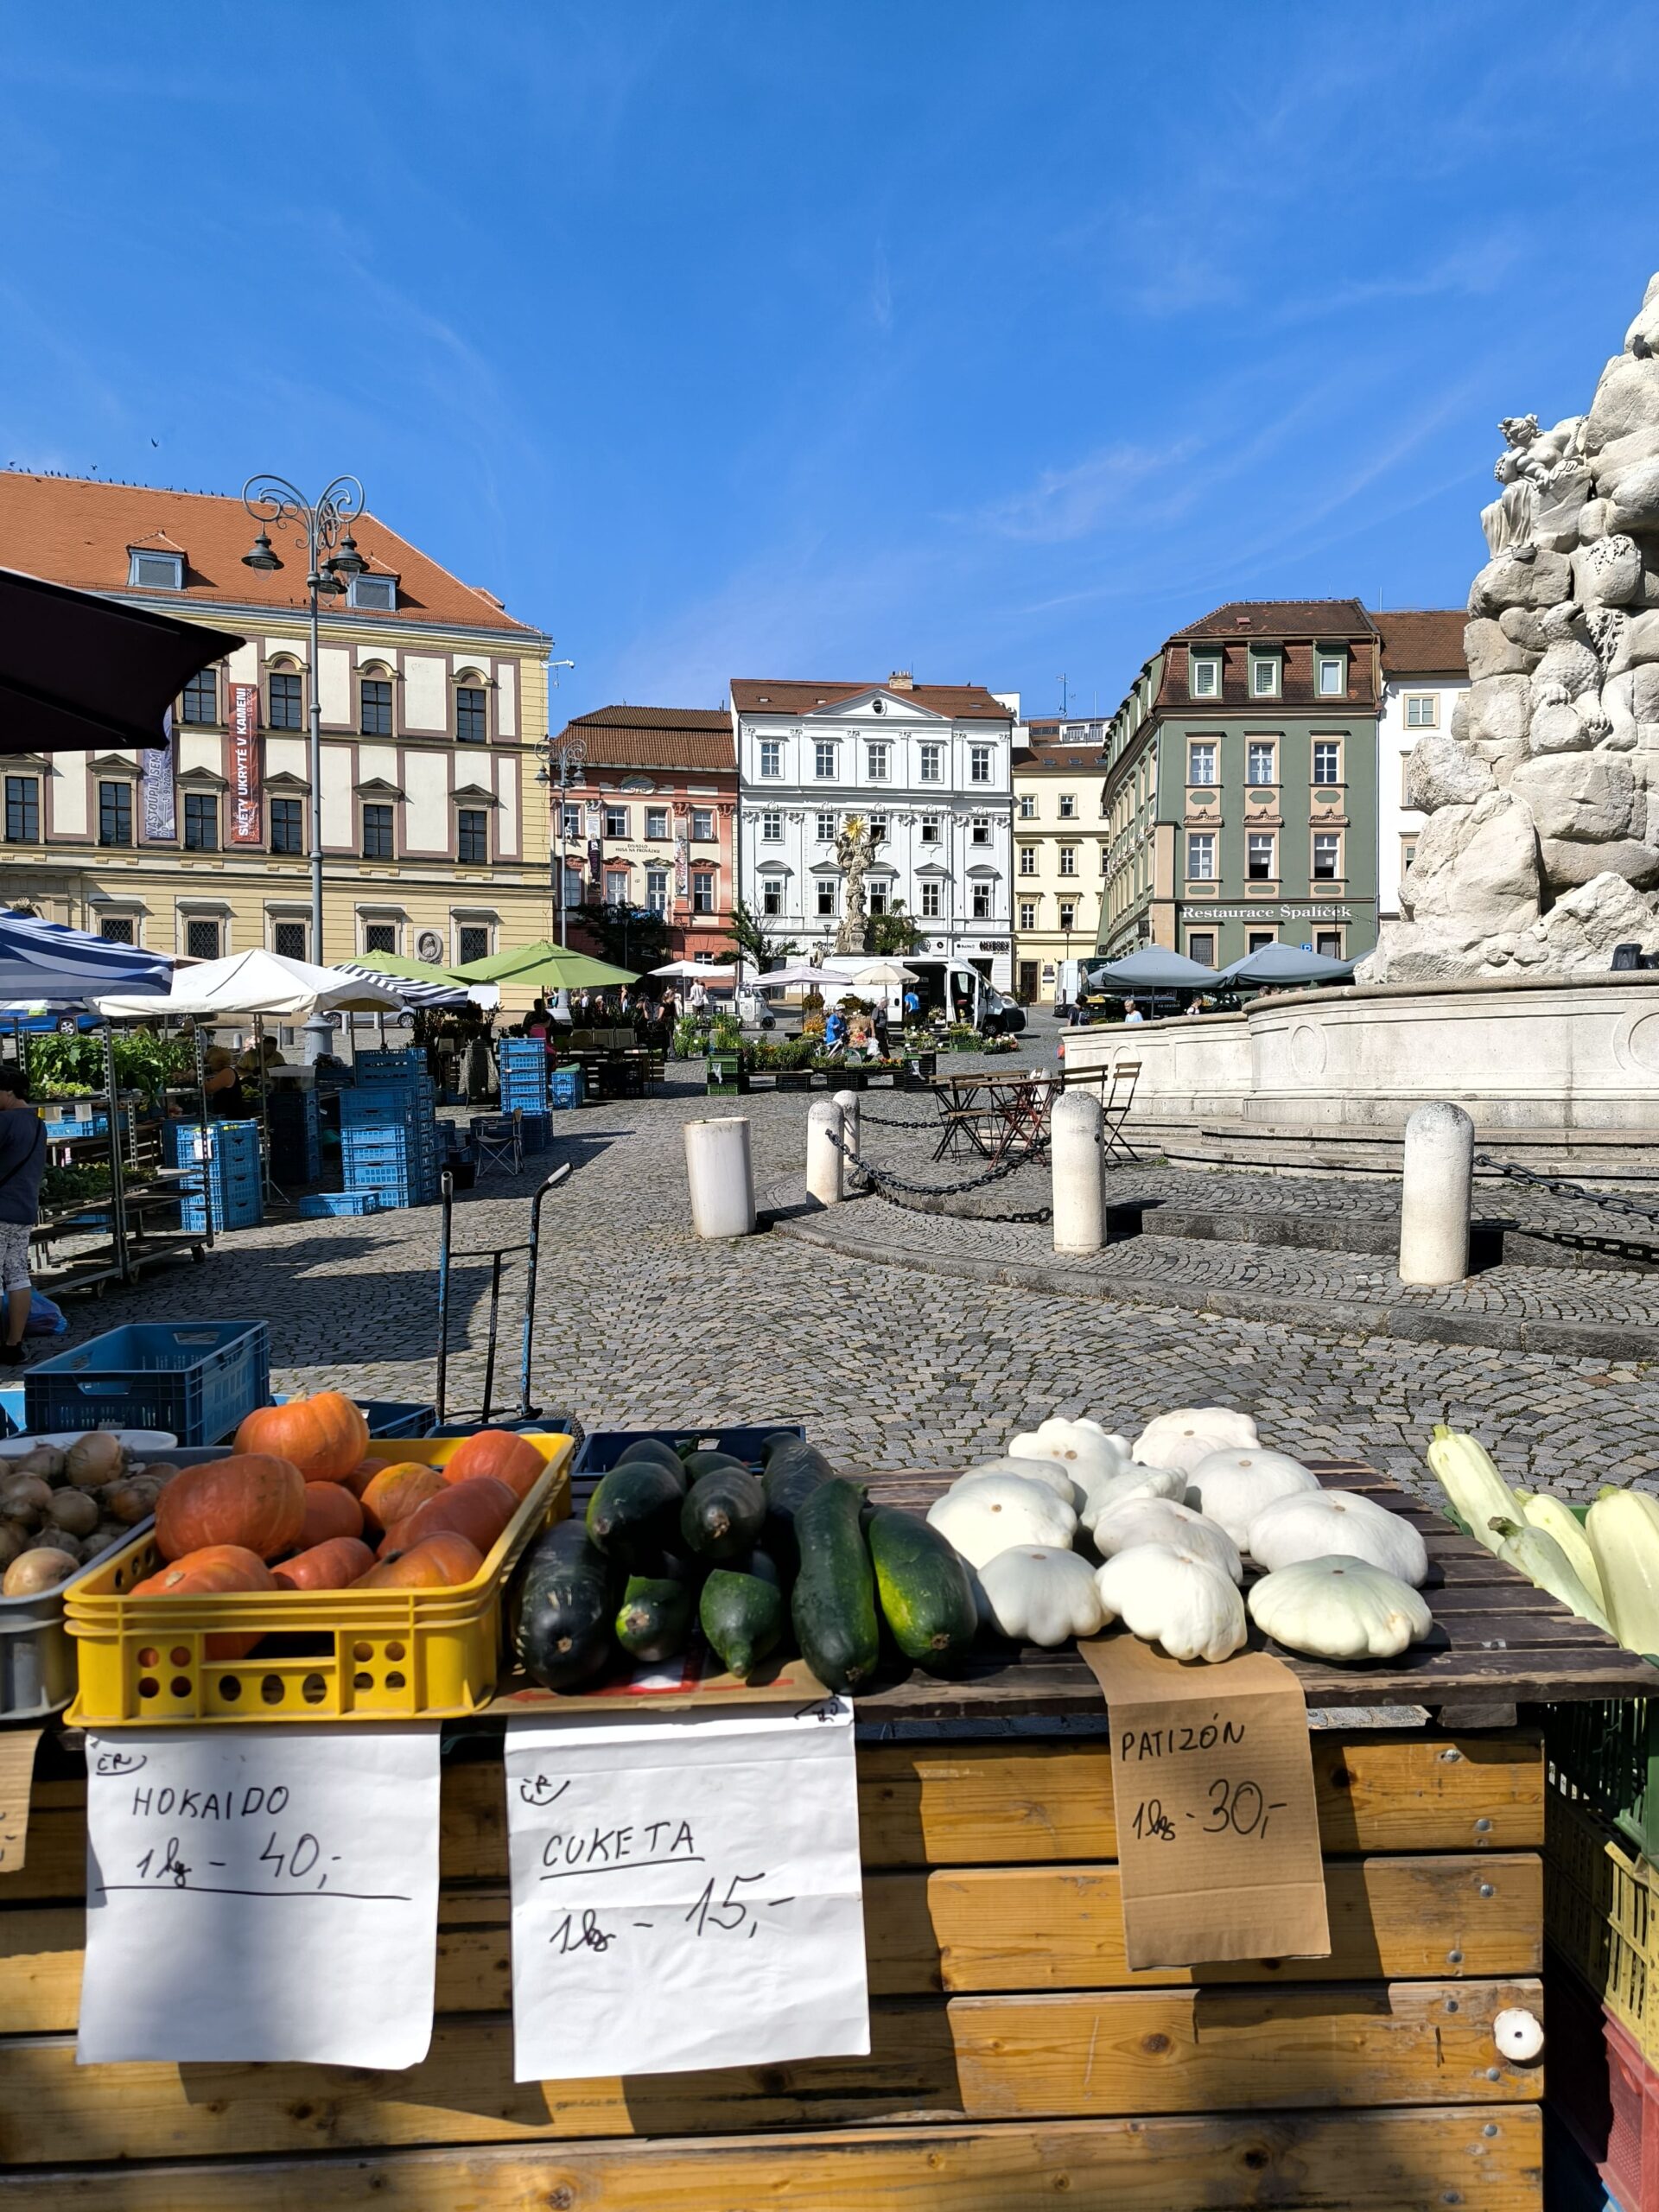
653, 1449
564, 1596
774, 1440
655, 1618
742, 1617
924, 1588
634, 1513
724, 1513
792, 1472
706, 1463
834, 1605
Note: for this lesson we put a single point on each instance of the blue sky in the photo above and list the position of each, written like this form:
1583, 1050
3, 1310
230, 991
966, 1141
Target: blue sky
728, 339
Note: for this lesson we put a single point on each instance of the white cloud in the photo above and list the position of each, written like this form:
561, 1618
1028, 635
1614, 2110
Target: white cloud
1065, 504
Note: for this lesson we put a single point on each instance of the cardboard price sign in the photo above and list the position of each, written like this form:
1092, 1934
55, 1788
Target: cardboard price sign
17, 1747
1217, 1832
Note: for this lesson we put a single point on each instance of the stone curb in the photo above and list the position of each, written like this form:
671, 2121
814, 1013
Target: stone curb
1332, 1317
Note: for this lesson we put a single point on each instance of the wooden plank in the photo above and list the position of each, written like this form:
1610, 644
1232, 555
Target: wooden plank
972, 1929
1093, 2057
1486, 2158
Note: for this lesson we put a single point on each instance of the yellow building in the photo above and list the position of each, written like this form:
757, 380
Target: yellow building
1060, 849
433, 699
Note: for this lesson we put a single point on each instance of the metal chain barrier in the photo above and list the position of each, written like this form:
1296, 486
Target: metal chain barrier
895, 1121
1608, 1201
885, 1184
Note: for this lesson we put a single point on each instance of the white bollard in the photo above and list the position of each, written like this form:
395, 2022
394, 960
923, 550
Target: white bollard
1435, 1189
848, 1101
824, 1124
1079, 1189
721, 1172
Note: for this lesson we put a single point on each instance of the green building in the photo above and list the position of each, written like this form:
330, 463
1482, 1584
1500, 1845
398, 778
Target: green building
1241, 787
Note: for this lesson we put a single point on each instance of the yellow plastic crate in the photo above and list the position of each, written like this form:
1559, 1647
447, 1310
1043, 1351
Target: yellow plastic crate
325, 1655
1599, 1913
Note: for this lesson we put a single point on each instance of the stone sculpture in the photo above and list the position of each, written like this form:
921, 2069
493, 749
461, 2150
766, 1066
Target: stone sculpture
855, 850
1541, 851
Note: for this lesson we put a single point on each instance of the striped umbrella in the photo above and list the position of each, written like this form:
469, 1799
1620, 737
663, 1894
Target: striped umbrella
43, 960
411, 992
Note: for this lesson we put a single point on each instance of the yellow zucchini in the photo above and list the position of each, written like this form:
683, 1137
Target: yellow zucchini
1558, 1521
1623, 1531
1537, 1554
1479, 1493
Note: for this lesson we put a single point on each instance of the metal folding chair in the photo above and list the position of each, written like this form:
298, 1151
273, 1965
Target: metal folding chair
500, 1141
1115, 1111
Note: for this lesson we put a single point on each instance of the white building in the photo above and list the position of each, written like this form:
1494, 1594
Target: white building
927, 764
1423, 671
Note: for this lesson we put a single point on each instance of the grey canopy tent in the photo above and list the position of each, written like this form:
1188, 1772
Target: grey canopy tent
1153, 969
1283, 966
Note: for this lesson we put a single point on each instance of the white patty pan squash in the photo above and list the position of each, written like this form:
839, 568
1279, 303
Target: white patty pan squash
1038, 1595
1339, 1608
1162, 1521
1138, 1482
1182, 1439
1313, 1524
1233, 1486
1083, 1449
1000, 1513
1049, 1472
1166, 1594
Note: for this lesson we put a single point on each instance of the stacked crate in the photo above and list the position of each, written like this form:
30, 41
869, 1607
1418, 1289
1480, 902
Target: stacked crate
229, 1193
388, 1131
296, 1135
524, 1075
567, 1088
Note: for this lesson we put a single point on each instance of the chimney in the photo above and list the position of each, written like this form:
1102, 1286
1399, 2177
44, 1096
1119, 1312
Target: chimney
901, 680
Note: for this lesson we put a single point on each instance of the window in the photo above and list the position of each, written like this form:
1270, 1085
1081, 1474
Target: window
473, 836
200, 697
772, 756
1258, 847
1068, 914
1408, 854
876, 759
1028, 913
1027, 806
979, 830
472, 713
156, 571
1264, 676
656, 822
287, 825
1068, 806
1422, 710
22, 810
981, 902
376, 833
288, 939
657, 890
1201, 764
374, 707
1260, 761
616, 886
1206, 675
379, 937
930, 830
1327, 760
1259, 940
702, 825
472, 943
824, 760
115, 814
117, 929
379, 593
573, 881
772, 896
979, 764
702, 891
878, 829
826, 895
1201, 856
826, 829
1327, 856
1332, 676
930, 902
876, 896
932, 763
771, 828
1201, 947
616, 822
1028, 860
201, 821
1068, 860
1329, 942
571, 817
201, 939
285, 703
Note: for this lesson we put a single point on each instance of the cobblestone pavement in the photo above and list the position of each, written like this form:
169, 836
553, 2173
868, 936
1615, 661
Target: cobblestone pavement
639, 1323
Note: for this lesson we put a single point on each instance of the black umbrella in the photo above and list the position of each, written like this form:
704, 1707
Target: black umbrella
78, 672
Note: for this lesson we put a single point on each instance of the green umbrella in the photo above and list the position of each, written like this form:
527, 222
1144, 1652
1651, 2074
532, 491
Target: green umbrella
414, 971
548, 965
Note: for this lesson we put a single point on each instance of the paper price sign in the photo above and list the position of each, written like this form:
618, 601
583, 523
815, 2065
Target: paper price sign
1217, 1832
261, 1894
686, 1891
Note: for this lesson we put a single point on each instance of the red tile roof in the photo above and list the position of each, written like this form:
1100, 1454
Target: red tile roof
1282, 618
657, 737
787, 695
76, 531
1423, 641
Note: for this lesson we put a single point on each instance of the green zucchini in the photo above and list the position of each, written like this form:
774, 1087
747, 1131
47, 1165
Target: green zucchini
635, 1512
653, 1449
724, 1513
775, 1441
792, 1472
834, 1605
742, 1618
564, 1596
924, 1591
656, 1617
706, 1463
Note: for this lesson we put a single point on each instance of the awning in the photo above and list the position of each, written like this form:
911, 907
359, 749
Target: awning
1153, 969
259, 982
42, 961
1287, 965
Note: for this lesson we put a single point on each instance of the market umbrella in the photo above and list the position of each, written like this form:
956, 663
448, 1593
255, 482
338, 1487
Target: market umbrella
43, 960
400, 964
802, 976
79, 672
413, 991
698, 969
1154, 969
550, 966
257, 982
1286, 964
885, 971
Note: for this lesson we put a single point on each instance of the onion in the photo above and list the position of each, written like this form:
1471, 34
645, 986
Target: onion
11, 1542
46, 1460
75, 1512
24, 1497
128, 1502
96, 1458
107, 1533
41, 1568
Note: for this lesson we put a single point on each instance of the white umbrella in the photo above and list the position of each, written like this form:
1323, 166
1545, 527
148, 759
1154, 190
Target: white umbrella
257, 982
802, 976
697, 968
885, 971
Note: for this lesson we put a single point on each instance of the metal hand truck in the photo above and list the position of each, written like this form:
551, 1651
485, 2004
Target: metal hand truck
527, 1416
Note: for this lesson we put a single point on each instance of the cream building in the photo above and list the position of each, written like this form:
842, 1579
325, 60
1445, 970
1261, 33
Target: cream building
1424, 674
433, 698
1060, 840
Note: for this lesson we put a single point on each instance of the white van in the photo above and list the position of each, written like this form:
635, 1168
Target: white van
954, 985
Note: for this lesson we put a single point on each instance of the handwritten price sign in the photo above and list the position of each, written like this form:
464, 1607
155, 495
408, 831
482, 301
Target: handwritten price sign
685, 1891
310, 1856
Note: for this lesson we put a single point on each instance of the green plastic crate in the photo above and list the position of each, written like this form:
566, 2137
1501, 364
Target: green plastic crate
1606, 1756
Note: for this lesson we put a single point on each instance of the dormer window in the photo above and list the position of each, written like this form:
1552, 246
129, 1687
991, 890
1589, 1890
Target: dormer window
378, 593
1264, 676
152, 571
1333, 667
1206, 675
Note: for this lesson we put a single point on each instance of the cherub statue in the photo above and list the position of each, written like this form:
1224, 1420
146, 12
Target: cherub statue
1529, 465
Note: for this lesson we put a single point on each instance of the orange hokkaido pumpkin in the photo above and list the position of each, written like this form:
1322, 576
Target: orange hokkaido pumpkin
331, 1566
498, 1452
253, 1500
213, 1568
478, 1510
440, 1560
362, 1475
330, 1510
398, 1489
324, 1436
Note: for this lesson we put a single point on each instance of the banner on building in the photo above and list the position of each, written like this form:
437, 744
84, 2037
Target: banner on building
155, 787
247, 824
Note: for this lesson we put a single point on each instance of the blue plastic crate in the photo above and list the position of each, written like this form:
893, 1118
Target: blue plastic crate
388, 1417
329, 1205
568, 1087
602, 1450
393, 1066
381, 1143
197, 1378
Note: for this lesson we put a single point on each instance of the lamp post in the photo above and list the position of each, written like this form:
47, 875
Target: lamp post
326, 525
559, 758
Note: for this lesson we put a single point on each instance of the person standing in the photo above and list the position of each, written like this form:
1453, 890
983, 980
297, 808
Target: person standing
23, 1163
